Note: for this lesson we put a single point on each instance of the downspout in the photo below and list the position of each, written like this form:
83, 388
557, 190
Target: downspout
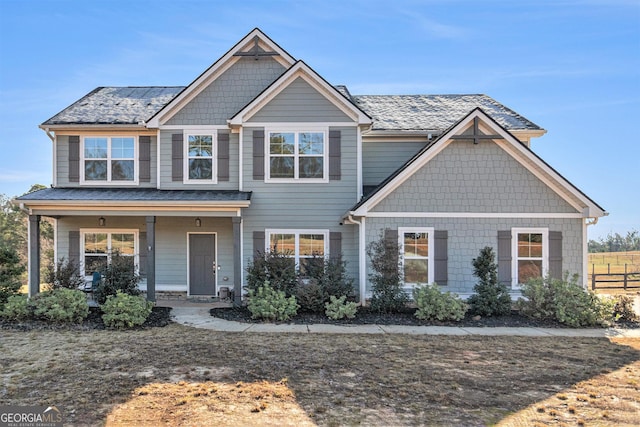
362, 261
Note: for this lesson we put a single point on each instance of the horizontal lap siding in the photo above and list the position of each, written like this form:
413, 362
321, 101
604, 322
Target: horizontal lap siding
466, 236
299, 102
381, 159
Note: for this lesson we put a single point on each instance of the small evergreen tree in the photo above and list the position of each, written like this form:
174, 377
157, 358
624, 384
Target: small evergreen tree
119, 275
277, 268
10, 271
386, 279
490, 298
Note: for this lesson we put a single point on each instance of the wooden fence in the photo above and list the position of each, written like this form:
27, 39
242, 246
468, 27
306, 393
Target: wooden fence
616, 280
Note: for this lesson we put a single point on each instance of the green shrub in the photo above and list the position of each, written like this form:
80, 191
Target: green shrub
623, 309
119, 275
64, 274
11, 268
277, 268
60, 306
16, 308
433, 304
386, 278
268, 303
310, 296
339, 308
125, 311
564, 301
490, 298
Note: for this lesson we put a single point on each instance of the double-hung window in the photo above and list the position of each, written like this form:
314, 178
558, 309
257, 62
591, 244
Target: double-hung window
297, 156
416, 247
304, 247
109, 159
98, 246
200, 165
530, 249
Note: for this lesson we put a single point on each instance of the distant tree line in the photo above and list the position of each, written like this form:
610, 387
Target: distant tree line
616, 243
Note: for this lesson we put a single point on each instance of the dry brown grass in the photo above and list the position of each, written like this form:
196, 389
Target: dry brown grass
182, 376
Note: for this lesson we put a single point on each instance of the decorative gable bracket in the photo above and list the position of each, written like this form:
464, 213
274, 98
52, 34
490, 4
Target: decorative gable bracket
477, 135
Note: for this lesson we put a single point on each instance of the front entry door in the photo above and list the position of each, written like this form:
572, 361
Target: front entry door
202, 267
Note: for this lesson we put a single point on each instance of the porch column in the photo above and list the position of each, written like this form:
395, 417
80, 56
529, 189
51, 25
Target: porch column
237, 261
34, 255
151, 258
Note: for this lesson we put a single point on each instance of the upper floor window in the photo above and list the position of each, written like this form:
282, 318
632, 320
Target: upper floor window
530, 249
199, 159
297, 156
417, 258
109, 159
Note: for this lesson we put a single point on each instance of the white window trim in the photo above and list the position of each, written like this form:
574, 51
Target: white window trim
297, 232
109, 231
514, 251
108, 181
430, 260
214, 153
296, 130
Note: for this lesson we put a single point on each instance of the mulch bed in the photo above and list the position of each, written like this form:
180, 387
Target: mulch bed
366, 316
159, 317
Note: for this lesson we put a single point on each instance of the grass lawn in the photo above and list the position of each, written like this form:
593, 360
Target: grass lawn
182, 376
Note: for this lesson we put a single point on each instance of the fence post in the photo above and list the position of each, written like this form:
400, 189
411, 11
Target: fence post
625, 277
593, 277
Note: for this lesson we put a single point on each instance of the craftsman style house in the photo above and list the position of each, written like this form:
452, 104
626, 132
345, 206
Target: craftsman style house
260, 151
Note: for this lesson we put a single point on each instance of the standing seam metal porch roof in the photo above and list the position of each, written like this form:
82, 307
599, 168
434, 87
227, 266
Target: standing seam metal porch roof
135, 194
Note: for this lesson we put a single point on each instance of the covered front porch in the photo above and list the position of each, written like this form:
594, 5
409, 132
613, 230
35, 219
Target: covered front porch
184, 241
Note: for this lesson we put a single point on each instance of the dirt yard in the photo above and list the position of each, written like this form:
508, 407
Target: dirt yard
180, 376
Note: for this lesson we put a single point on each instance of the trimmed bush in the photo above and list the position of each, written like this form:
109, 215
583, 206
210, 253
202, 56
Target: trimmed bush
11, 268
310, 296
564, 301
16, 308
339, 308
60, 306
325, 277
277, 268
268, 303
125, 311
433, 304
386, 278
64, 274
490, 298
119, 275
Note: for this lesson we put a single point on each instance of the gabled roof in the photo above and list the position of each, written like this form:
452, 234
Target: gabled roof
116, 106
434, 112
302, 70
255, 41
513, 146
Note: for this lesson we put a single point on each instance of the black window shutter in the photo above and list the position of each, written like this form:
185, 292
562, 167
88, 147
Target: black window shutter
440, 257
258, 243
391, 241
504, 257
144, 158
334, 155
74, 158
142, 254
335, 244
555, 254
223, 156
74, 247
176, 156
258, 154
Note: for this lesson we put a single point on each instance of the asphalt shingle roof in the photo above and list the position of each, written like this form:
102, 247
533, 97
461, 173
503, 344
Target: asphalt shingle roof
116, 105
136, 194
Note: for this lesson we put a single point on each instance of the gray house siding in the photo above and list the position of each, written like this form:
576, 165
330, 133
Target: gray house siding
474, 178
381, 159
299, 102
231, 91
466, 236
62, 162
166, 181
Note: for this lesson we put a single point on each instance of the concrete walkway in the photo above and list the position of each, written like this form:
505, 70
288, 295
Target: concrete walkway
199, 317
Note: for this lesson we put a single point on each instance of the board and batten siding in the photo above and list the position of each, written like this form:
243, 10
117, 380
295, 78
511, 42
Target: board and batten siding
166, 165
62, 161
380, 159
299, 102
474, 178
231, 91
467, 236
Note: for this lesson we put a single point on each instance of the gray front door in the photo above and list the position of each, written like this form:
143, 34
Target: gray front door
202, 268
